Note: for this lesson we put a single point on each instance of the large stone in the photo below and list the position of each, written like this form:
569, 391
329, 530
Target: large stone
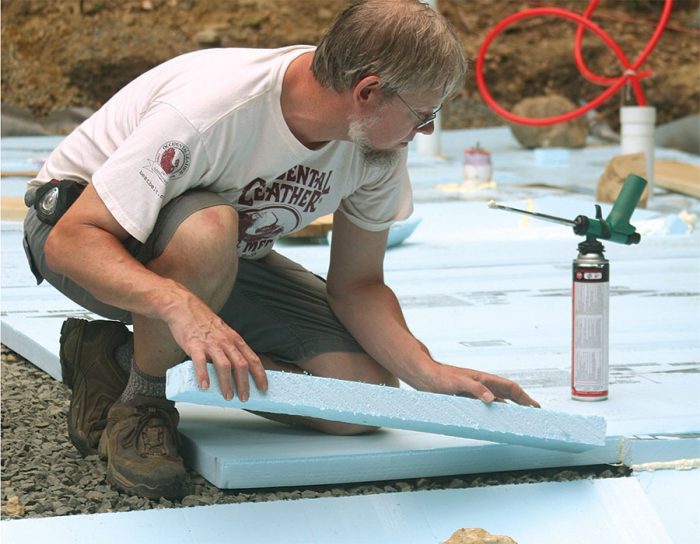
18, 121
208, 37
683, 134
65, 121
616, 171
571, 134
478, 536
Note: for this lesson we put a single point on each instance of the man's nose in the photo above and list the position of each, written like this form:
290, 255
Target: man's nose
427, 129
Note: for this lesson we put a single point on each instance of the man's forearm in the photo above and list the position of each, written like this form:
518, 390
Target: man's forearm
373, 316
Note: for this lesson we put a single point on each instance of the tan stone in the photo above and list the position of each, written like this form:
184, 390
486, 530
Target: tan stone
477, 536
571, 134
14, 508
616, 171
208, 37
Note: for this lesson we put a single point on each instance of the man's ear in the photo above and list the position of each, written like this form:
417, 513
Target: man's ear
367, 92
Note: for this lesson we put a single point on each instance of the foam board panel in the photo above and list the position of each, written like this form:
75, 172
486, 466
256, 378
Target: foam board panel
675, 497
613, 511
354, 402
660, 448
22, 340
236, 450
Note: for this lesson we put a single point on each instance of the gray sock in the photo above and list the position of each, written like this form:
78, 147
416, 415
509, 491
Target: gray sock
124, 353
143, 384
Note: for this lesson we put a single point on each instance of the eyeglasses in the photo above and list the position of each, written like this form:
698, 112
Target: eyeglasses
424, 121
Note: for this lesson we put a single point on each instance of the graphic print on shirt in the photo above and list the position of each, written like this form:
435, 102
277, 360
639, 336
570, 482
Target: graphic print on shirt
172, 161
269, 209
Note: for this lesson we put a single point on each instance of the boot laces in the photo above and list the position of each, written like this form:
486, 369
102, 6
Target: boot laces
152, 435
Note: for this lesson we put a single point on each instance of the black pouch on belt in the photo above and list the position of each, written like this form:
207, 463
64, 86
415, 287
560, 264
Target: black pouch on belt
53, 199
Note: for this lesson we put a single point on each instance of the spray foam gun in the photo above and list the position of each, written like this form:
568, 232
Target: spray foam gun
616, 227
590, 290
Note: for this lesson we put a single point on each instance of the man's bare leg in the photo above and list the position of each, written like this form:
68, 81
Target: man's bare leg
202, 256
141, 442
352, 366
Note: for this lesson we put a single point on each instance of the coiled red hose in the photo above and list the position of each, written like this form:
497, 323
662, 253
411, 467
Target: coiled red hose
614, 84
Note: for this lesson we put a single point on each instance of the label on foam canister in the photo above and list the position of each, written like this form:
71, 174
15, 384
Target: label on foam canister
589, 366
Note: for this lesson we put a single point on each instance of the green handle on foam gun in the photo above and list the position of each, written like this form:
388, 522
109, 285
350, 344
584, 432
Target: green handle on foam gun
616, 227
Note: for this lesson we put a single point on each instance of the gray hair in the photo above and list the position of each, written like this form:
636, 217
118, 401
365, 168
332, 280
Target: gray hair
408, 45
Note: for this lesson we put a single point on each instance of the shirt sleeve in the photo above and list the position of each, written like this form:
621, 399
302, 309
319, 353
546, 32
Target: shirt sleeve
381, 201
160, 159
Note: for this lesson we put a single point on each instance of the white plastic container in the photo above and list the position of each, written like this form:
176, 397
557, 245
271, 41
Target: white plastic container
476, 167
637, 124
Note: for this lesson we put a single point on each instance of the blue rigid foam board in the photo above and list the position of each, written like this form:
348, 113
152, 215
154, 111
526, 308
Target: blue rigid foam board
400, 408
19, 335
660, 448
237, 450
606, 511
675, 496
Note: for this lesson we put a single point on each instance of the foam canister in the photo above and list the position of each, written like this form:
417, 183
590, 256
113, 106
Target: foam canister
590, 321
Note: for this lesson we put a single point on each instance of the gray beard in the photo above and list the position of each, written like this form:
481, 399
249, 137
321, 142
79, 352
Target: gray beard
383, 158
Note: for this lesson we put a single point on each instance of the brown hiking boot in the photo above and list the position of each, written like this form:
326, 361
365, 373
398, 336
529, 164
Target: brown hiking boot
90, 370
141, 444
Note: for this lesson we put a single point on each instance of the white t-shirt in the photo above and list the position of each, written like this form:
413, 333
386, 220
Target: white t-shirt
212, 120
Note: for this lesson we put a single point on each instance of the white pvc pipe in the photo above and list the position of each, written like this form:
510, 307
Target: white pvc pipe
430, 143
637, 135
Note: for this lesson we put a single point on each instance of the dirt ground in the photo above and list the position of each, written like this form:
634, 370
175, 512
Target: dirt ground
62, 53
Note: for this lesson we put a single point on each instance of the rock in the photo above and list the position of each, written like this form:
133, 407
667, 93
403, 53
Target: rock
190, 500
477, 536
209, 37
7, 490
94, 495
20, 122
565, 476
616, 171
571, 134
14, 508
65, 121
683, 134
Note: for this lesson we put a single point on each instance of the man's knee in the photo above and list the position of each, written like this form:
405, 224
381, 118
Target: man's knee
349, 366
202, 251
352, 366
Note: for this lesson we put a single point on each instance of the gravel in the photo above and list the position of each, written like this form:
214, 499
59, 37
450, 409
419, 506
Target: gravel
42, 474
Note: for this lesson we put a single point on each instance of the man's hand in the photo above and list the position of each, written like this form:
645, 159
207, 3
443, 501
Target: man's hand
204, 336
479, 385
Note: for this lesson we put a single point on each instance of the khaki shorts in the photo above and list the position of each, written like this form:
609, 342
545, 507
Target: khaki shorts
276, 305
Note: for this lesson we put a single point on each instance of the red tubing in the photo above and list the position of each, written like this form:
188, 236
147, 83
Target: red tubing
614, 84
